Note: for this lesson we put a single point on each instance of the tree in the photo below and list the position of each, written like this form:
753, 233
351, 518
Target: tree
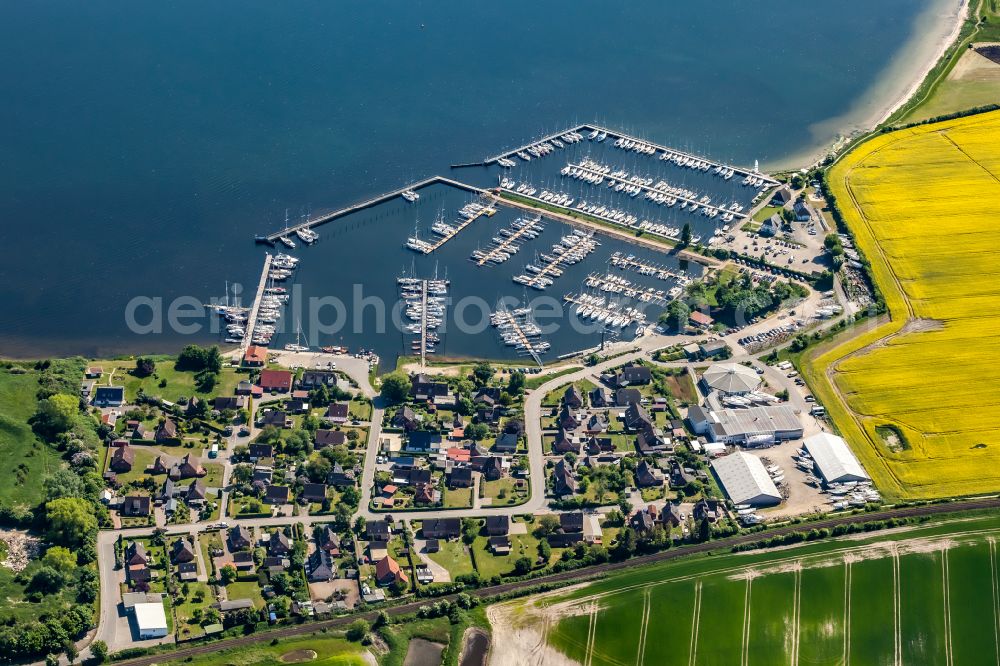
482, 372
100, 651
56, 414
144, 367
676, 315
195, 359
515, 385
396, 387
59, 558
547, 524
704, 530
522, 566
686, 234
70, 521
70, 651
477, 431
46, 580
357, 630
228, 574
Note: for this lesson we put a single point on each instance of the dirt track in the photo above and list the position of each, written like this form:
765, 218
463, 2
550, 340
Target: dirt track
720, 544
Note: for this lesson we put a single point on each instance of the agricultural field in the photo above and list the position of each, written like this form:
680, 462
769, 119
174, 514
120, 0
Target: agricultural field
915, 595
318, 649
913, 396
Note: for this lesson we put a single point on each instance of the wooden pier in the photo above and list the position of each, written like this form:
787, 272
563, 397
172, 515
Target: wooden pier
423, 323
488, 210
382, 198
609, 284
647, 188
252, 319
529, 224
529, 347
645, 268
615, 134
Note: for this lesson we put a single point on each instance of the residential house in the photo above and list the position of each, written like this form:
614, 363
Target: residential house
260, 451
709, 509
499, 545
329, 541
601, 397
771, 226
325, 438
781, 196
279, 381
442, 528
275, 564
596, 423
279, 544
166, 431
240, 538
679, 477
573, 398
190, 467
425, 493
570, 530
159, 466
337, 412
168, 492
410, 476
424, 388
647, 475
109, 396
314, 492
460, 477
234, 402
670, 515
492, 468
255, 356
632, 375
405, 418
497, 525
487, 395
378, 530
320, 566
135, 553
802, 212
649, 443
563, 480
643, 521
273, 417
312, 379
565, 444
506, 442
93, 372
181, 551
338, 477
637, 419
388, 572
122, 459
141, 432
243, 561
188, 571
297, 405
567, 420
424, 441
700, 319
136, 506
489, 415
196, 493
276, 495
598, 445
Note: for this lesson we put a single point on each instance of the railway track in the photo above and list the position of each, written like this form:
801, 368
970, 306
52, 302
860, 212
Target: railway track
576, 575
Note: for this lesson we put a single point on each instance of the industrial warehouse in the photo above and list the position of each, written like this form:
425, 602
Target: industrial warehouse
833, 459
745, 480
751, 427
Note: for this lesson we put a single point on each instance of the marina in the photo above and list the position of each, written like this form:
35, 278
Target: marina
255, 308
517, 330
424, 302
615, 284
521, 228
659, 271
595, 133
605, 311
571, 249
468, 214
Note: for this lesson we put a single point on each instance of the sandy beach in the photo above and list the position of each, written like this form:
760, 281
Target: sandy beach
936, 29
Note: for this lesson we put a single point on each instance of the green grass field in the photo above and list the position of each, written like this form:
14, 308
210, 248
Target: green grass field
26, 458
920, 595
453, 557
178, 383
330, 651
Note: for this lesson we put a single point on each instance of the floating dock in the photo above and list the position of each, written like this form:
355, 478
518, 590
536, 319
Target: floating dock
488, 210
598, 309
517, 334
571, 254
648, 188
646, 268
493, 254
382, 198
613, 284
255, 308
613, 134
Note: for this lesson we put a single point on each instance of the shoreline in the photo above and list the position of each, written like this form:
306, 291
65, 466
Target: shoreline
880, 102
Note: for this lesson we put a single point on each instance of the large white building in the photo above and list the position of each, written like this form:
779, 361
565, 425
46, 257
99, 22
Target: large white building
150, 620
730, 379
833, 459
752, 427
745, 480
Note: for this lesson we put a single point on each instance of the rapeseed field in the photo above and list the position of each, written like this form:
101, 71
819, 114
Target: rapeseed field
924, 206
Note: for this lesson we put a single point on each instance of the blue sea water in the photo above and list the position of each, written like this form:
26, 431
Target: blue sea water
143, 144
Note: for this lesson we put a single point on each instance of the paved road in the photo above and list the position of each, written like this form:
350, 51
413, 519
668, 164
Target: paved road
720, 545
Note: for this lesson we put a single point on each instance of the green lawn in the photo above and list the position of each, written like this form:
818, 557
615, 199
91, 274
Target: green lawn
184, 608
505, 486
248, 590
143, 459
178, 383
26, 459
213, 475
534, 381
489, 565
460, 498
453, 557
360, 410
330, 649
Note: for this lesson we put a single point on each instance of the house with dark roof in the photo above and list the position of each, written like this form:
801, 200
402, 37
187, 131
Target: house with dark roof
643, 521
196, 492
596, 423
425, 493
627, 396
637, 419
279, 544
670, 516
276, 495
166, 431
258, 451
497, 525
273, 417
122, 459
190, 467
424, 441
570, 530
506, 442
460, 477
567, 420
378, 530
410, 476
135, 553
488, 414
275, 380
499, 545
424, 388
487, 395
339, 477
137, 506
181, 551
601, 397
313, 492
320, 566
649, 443
337, 412
312, 379
573, 397
709, 509
563, 481
598, 445
234, 402
388, 572
647, 475
492, 468
297, 405
405, 418
565, 444
442, 528
781, 196
239, 538
678, 475
141, 432
329, 541
109, 396
325, 438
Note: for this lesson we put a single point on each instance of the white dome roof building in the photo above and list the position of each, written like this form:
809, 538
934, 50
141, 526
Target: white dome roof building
730, 379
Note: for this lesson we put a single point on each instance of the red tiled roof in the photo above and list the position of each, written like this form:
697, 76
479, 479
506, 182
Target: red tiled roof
255, 354
275, 379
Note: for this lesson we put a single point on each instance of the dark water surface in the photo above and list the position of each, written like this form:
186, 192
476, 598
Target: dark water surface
143, 144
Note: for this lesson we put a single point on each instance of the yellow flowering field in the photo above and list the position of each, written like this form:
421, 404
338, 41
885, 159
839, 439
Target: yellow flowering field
918, 397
